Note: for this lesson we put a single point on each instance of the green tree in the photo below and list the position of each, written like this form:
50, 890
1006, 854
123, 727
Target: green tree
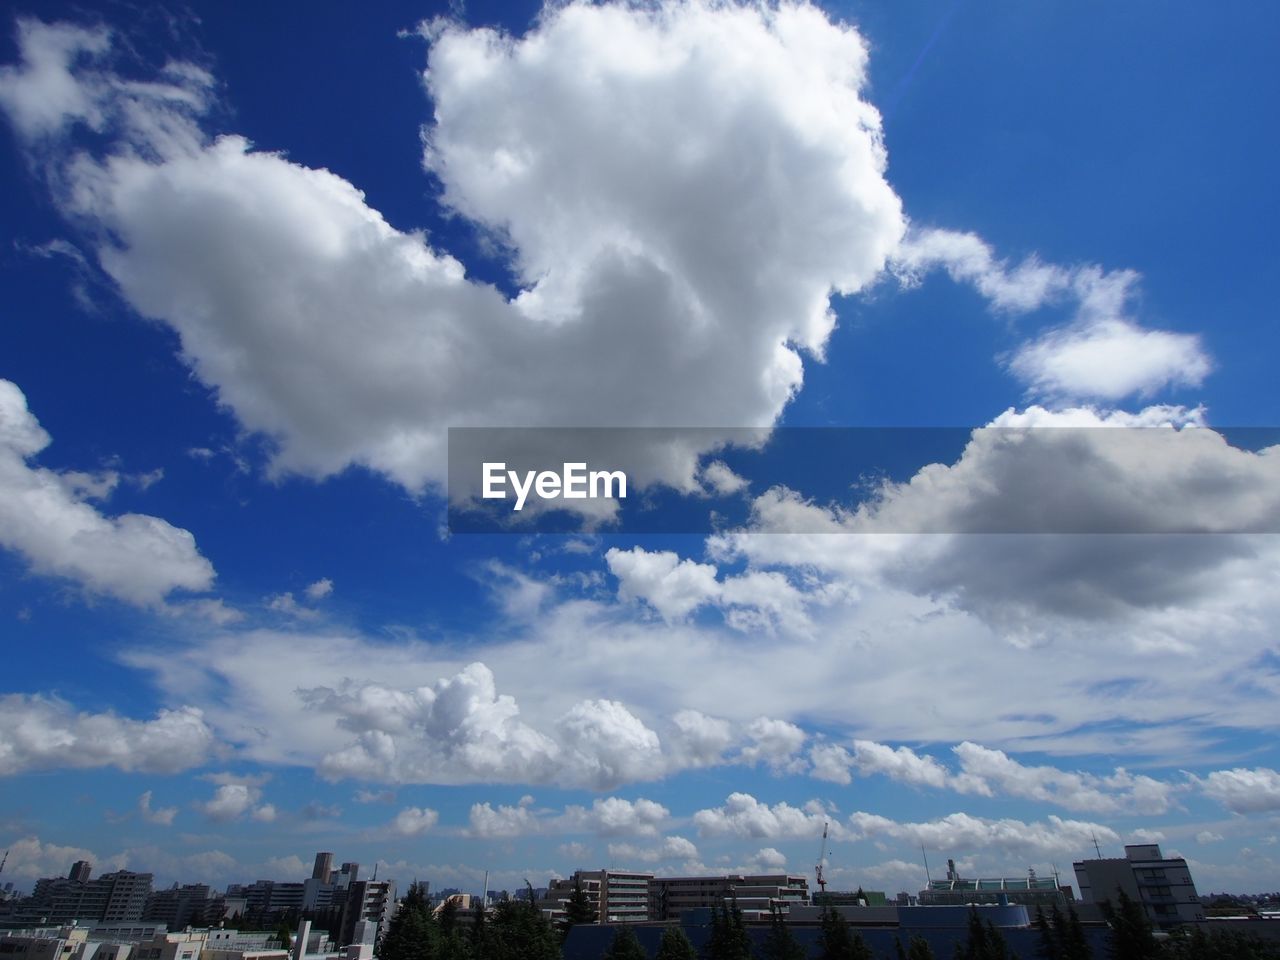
1131, 935
984, 941
577, 909
780, 943
625, 946
479, 929
1050, 949
729, 939
837, 940
675, 946
447, 917
518, 931
454, 944
739, 940
284, 935
920, 949
1070, 933
1219, 945
412, 934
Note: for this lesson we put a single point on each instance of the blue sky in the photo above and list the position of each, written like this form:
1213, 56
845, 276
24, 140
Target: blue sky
254, 269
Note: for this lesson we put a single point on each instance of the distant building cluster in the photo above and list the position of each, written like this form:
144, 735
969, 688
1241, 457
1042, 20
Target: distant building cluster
335, 899
118, 916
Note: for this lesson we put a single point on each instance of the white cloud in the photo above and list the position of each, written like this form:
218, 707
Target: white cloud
45, 516
614, 816
697, 740
1242, 790
31, 858
770, 858
503, 821
721, 479
460, 730
993, 771
42, 733
673, 587
216, 611
831, 762
902, 764
744, 816
414, 821
1208, 836
1058, 480
41, 98
963, 832
264, 814
1110, 359
230, 802
576, 852
671, 849
319, 590
286, 604
988, 772
606, 817
162, 816
1101, 353
673, 275
775, 743
967, 258
752, 602
237, 796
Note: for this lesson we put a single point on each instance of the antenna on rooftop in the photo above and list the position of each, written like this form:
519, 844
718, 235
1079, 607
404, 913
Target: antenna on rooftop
1096, 848
926, 864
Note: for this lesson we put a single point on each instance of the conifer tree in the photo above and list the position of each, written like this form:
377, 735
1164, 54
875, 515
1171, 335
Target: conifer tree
412, 934
625, 946
578, 909
984, 941
675, 946
1131, 935
780, 944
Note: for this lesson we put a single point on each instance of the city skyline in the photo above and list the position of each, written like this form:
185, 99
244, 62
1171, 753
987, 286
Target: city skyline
256, 269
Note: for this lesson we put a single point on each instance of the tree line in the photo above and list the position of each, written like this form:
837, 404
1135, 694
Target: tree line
517, 930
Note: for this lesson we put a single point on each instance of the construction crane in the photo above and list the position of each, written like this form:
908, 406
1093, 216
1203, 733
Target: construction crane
822, 860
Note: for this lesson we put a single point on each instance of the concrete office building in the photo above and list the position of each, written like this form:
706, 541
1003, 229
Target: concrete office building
1162, 885
755, 894
617, 896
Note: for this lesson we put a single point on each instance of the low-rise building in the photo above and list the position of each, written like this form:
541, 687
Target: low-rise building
756, 895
